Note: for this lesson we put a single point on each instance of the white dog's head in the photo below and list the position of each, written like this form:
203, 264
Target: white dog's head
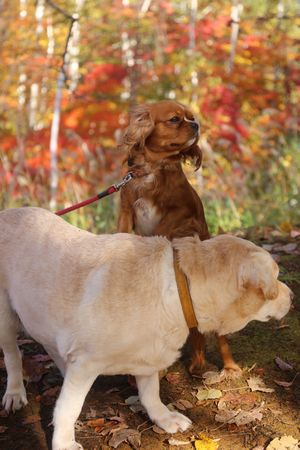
233, 282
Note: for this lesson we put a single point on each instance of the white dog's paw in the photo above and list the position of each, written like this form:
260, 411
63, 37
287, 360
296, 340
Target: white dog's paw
174, 422
14, 400
71, 446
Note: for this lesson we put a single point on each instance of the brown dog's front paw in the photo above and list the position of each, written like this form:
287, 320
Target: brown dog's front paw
232, 371
197, 369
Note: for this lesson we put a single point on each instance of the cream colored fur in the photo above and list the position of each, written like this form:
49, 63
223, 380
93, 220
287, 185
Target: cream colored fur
109, 305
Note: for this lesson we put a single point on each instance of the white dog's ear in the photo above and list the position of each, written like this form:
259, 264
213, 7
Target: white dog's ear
259, 271
140, 127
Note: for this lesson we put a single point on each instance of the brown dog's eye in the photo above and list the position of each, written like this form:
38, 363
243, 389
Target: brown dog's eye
175, 119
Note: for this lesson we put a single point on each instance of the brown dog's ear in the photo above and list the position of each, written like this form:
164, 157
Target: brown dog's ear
259, 271
194, 154
140, 127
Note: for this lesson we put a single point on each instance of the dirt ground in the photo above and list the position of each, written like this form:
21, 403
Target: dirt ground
108, 417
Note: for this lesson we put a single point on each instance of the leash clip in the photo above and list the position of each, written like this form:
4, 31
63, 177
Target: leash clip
125, 180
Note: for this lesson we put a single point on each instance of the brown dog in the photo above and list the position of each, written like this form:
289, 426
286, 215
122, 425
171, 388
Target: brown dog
160, 200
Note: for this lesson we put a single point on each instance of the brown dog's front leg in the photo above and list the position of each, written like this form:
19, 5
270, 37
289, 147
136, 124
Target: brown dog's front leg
231, 368
125, 221
196, 341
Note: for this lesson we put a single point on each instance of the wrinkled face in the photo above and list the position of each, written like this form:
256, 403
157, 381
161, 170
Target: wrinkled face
175, 127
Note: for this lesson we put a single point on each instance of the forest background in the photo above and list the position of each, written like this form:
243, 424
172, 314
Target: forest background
72, 69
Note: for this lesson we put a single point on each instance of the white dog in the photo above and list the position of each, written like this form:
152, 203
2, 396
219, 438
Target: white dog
109, 305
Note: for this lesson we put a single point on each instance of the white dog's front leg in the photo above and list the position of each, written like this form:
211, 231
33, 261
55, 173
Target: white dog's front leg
170, 421
76, 385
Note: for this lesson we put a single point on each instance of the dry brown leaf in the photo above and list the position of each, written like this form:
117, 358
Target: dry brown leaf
174, 377
132, 400
294, 233
96, 422
212, 377
239, 417
236, 399
284, 443
128, 435
178, 443
158, 430
134, 404
283, 365
182, 404
285, 384
257, 384
287, 248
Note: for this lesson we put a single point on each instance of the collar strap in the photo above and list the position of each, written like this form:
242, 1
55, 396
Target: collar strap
184, 294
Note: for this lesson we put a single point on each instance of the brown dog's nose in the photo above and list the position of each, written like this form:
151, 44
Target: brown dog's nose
194, 125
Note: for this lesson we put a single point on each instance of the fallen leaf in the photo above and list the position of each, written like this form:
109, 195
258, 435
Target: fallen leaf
128, 435
158, 430
235, 399
257, 384
287, 248
79, 425
3, 428
177, 443
283, 365
285, 384
208, 394
91, 414
205, 443
31, 419
284, 443
173, 377
239, 417
96, 422
286, 226
134, 404
182, 404
212, 377
33, 370
132, 400
259, 371
294, 233
268, 247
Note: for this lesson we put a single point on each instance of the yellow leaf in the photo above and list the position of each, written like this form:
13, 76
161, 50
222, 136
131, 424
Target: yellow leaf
286, 226
205, 443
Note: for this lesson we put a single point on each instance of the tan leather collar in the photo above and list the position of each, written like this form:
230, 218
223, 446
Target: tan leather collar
184, 294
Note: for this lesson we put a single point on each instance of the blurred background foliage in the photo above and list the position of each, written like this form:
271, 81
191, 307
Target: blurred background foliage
72, 69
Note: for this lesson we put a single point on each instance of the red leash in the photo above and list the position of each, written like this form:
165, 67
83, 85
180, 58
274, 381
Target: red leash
114, 188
